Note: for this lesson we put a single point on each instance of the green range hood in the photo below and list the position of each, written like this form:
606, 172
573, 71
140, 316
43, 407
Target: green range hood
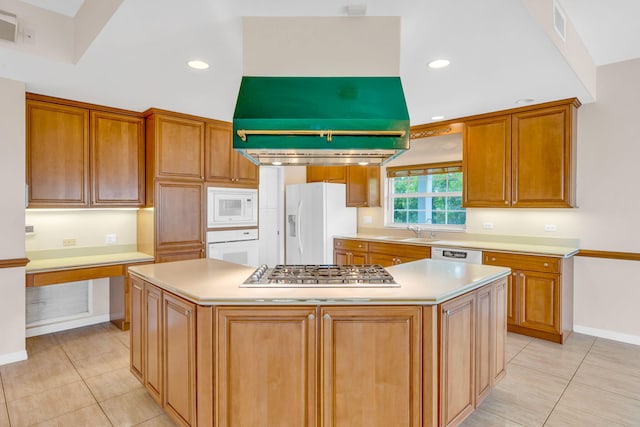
320, 120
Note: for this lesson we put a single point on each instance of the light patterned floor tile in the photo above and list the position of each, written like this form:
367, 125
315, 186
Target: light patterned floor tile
161, 421
550, 358
49, 404
480, 418
41, 343
100, 363
615, 355
83, 347
1, 390
131, 408
89, 416
525, 396
593, 403
112, 384
621, 381
4, 416
515, 344
44, 371
565, 417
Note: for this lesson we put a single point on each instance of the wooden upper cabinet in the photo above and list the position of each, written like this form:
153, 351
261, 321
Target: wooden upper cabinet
223, 164
363, 186
543, 157
522, 159
117, 160
57, 155
335, 174
177, 144
487, 162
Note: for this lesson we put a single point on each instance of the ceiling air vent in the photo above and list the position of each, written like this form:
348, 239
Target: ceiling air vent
559, 21
8, 26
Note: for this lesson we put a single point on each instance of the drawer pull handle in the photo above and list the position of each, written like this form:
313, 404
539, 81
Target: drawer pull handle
311, 317
137, 287
327, 316
546, 264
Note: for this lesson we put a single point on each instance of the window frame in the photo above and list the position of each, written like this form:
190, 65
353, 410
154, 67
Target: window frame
420, 170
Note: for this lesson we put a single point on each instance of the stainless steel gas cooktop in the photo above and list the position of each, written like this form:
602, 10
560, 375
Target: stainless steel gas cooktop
309, 276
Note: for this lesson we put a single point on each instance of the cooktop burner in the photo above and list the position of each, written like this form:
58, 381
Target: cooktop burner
360, 275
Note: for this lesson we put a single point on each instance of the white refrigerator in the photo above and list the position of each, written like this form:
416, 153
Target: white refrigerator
316, 212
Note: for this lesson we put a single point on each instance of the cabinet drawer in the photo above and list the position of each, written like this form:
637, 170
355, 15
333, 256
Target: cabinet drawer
354, 245
522, 262
400, 250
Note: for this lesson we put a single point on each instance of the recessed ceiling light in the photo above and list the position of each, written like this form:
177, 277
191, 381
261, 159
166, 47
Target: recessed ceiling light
276, 163
439, 63
363, 163
524, 101
437, 117
198, 64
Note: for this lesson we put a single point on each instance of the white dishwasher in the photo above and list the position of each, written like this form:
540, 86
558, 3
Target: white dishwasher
469, 256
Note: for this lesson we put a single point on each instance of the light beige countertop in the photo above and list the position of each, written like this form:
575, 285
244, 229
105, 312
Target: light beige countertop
213, 282
64, 259
523, 245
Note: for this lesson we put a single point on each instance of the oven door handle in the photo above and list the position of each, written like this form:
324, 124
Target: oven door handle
299, 227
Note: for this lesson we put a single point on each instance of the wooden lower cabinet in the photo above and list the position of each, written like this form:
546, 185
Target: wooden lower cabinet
152, 337
318, 366
539, 294
355, 251
348, 251
179, 349
370, 367
457, 359
136, 343
266, 366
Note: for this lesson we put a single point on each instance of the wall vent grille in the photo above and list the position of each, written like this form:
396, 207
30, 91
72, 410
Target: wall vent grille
559, 21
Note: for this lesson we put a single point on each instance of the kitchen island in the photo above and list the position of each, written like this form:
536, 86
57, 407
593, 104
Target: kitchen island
424, 353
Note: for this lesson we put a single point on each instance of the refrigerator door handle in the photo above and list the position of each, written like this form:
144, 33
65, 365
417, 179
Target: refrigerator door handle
299, 227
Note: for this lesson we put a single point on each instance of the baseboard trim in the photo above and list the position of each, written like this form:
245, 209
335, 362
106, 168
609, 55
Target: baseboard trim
5, 359
610, 335
69, 324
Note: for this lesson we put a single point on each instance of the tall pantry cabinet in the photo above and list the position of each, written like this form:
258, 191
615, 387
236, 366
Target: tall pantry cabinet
185, 154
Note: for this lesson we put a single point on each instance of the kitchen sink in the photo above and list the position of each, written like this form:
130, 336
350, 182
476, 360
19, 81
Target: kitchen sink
387, 238
418, 240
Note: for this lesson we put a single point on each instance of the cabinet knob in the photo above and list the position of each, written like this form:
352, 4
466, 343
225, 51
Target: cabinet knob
338, 243
447, 312
311, 317
515, 274
327, 316
493, 258
506, 202
546, 264
366, 203
521, 274
359, 246
137, 287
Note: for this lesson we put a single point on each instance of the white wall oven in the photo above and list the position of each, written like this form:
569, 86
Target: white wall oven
237, 246
232, 207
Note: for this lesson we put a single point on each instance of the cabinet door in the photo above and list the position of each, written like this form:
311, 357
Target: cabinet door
336, 174
246, 172
179, 215
359, 258
363, 186
57, 155
499, 305
374, 358
543, 158
382, 259
219, 153
266, 372
539, 301
341, 257
485, 331
457, 357
136, 335
152, 333
117, 160
512, 298
179, 147
182, 255
179, 344
316, 173
486, 155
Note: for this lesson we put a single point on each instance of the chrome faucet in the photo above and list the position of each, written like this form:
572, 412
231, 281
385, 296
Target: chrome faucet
416, 229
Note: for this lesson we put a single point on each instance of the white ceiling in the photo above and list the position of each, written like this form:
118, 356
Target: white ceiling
498, 53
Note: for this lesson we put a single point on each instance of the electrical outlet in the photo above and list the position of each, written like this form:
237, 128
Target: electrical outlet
487, 225
68, 242
550, 227
111, 239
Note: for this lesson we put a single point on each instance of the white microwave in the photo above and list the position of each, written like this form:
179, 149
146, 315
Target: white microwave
232, 207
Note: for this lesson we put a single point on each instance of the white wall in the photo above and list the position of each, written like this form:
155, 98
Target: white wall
12, 196
87, 226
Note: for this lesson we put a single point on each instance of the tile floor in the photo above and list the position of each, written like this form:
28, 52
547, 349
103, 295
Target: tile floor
81, 378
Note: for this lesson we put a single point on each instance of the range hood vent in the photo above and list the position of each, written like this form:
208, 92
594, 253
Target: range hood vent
320, 120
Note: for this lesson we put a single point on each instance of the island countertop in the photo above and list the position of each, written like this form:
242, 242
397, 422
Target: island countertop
214, 282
